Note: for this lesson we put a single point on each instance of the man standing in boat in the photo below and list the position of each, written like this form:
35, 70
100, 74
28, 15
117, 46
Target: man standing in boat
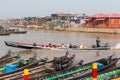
98, 42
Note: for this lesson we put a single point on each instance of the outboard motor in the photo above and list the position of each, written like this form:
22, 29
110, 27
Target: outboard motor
56, 60
58, 67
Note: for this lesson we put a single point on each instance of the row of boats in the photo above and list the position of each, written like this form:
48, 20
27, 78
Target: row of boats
59, 68
12, 31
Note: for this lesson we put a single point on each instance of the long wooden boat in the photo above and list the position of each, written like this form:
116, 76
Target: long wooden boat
21, 45
19, 32
106, 68
69, 73
111, 74
20, 65
80, 72
16, 31
7, 58
39, 46
4, 33
6, 55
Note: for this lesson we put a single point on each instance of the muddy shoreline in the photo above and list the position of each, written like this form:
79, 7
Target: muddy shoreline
78, 29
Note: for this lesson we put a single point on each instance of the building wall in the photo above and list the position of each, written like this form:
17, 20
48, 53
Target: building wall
89, 24
108, 23
114, 23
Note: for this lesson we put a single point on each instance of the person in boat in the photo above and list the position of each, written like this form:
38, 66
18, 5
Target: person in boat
70, 46
98, 42
34, 44
50, 45
74, 46
107, 45
54, 45
59, 45
81, 46
62, 45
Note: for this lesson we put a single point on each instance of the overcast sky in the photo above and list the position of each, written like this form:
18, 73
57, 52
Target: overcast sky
25, 8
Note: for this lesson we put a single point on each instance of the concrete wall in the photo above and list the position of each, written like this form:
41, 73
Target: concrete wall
94, 30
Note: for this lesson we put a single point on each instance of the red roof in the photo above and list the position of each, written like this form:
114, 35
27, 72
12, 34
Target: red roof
99, 15
61, 13
114, 15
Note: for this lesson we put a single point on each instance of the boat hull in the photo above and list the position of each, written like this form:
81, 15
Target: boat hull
84, 71
15, 44
107, 67
30, 46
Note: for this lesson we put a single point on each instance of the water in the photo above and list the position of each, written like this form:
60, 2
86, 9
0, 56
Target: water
44, 36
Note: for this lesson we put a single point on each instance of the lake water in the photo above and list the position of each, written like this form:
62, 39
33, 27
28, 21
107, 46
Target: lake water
49, 36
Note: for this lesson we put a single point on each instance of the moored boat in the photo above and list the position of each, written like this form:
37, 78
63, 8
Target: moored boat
49, 65
71, 72
4, 33
111, 74
19, 32
18, 65
9, 57
80, 72
16, 31
21, 45
51, 47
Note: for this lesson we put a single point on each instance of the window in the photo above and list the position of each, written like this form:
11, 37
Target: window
112, 21
119, 21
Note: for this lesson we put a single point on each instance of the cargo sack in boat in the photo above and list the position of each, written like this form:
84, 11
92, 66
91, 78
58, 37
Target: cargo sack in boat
10, 68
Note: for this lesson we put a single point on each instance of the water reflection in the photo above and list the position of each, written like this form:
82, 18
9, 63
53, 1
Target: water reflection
97, 53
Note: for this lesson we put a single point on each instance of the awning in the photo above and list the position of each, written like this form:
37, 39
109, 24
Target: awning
87, 19
100, 19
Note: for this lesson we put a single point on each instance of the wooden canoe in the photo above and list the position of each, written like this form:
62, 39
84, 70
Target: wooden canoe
37, 46
80, 72
21, 45
42, 66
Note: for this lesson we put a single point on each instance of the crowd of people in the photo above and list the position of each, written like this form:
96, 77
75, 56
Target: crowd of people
50, 45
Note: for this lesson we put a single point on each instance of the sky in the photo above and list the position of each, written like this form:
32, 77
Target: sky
40, 8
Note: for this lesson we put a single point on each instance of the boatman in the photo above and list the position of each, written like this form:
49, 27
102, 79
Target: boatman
98, 42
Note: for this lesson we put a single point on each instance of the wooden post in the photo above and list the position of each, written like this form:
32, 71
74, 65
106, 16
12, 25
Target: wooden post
94, 71
26, 72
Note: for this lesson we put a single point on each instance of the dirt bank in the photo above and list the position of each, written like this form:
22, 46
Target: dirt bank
94, 30
78, 29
